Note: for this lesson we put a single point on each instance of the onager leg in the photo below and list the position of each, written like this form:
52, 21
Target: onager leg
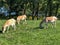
4, 29
8, 28
46, 25
14, 26
25, 21
18, 21
52, 24
55, 24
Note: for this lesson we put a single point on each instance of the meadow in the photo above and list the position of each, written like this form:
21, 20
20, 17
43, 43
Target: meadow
30, 34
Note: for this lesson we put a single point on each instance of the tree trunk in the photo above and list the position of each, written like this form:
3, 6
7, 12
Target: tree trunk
33, 11
37, 9
57, 6
23, 8
49, 6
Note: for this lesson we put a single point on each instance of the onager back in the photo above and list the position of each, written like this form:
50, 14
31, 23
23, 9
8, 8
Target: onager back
8, 23
22, 17
51, 19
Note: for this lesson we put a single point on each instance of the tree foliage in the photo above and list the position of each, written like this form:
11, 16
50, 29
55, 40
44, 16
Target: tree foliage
33, 7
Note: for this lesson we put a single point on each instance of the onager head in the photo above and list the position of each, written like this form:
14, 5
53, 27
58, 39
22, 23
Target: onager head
8, 23
22, 17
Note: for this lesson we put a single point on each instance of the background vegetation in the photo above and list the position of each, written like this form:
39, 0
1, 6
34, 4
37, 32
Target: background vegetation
33, 8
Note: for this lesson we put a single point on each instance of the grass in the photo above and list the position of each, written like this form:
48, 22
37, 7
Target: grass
30, 34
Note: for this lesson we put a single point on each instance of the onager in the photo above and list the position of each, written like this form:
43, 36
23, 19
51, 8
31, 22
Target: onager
20, 18
8, 23
51, 19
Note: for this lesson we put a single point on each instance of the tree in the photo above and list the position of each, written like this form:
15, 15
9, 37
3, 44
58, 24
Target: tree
35, 7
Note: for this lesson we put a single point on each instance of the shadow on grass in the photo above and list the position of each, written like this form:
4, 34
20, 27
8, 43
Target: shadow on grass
37, 28
0, 31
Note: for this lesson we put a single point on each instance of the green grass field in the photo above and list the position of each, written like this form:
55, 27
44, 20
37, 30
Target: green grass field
30, 34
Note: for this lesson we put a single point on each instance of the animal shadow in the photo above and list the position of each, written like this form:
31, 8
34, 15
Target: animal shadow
36, 28
0, 31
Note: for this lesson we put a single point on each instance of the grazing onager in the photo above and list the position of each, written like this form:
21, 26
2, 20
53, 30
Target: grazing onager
8, 23
22, 17
51, 19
